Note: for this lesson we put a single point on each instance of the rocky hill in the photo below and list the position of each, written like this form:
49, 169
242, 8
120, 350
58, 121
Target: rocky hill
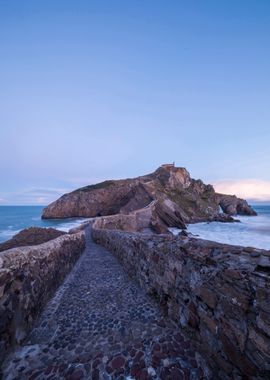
171, 195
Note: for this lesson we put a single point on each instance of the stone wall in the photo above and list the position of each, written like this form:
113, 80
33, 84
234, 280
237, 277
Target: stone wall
220, 295
28, 278
138, 220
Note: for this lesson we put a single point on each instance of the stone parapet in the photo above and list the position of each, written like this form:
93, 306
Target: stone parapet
29, 276
220, 295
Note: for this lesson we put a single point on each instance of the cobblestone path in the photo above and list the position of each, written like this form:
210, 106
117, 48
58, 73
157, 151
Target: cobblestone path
102, 325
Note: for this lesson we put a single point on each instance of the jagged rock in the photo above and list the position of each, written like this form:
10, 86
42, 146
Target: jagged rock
224, 218
232, 205
31, 236
177, 198
166, 214
155, 217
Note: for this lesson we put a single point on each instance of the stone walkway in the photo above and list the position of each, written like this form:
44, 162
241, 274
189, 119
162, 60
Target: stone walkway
102, 325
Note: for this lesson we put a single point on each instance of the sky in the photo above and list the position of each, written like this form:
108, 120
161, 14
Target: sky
92, 90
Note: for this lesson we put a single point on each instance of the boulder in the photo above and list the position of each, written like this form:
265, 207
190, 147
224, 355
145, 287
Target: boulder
31, 236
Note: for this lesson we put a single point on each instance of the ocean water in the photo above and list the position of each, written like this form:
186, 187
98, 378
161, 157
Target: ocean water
253, 231
15, 218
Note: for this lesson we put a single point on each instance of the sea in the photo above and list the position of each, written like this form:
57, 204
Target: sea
251, 231
13, 219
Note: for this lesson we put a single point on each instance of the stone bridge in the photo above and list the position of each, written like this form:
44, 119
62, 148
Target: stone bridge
138, 306
101, 325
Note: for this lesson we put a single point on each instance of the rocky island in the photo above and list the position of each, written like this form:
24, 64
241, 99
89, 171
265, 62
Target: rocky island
169, 197
139, 303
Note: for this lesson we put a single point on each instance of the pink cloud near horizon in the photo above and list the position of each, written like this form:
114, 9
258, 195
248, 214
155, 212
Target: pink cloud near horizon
250, 189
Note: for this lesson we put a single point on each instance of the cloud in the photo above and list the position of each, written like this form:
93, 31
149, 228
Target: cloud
251, 189
44, 192
47, 191
39, 196
42, 195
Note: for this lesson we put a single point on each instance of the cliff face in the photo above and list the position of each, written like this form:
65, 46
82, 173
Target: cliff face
232, 205
178, 199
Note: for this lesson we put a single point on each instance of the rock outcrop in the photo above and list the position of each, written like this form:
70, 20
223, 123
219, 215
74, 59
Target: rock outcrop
175, 199
156, 217
232, 205
31, 236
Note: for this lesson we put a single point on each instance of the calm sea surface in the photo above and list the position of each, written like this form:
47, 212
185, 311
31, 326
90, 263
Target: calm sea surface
252, 231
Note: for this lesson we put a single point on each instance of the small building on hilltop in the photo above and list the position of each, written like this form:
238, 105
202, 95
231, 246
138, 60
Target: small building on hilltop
168, 166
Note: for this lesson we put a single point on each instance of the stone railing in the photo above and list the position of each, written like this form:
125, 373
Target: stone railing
29, 276
220, 295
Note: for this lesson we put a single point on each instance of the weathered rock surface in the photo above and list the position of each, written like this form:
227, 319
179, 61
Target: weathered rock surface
178, 199
31, 236
28, 278
218, 293
155, 217
232, 205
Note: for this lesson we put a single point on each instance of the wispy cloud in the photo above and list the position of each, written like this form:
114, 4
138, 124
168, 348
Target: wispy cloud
34, 196
251, 189
45, 191
43, 195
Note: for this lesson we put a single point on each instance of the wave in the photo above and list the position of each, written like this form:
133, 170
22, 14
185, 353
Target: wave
243, 234
7, 234
66, 226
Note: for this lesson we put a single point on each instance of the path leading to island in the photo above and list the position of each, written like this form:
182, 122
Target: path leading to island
101, 325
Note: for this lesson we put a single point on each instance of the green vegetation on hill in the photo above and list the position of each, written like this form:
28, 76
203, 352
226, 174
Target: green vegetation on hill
97, 186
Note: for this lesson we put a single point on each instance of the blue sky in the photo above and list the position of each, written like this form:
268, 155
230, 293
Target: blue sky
91, 90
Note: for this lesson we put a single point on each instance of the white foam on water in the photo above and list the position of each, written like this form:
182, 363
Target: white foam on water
252, 231
66, 226
7, 234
